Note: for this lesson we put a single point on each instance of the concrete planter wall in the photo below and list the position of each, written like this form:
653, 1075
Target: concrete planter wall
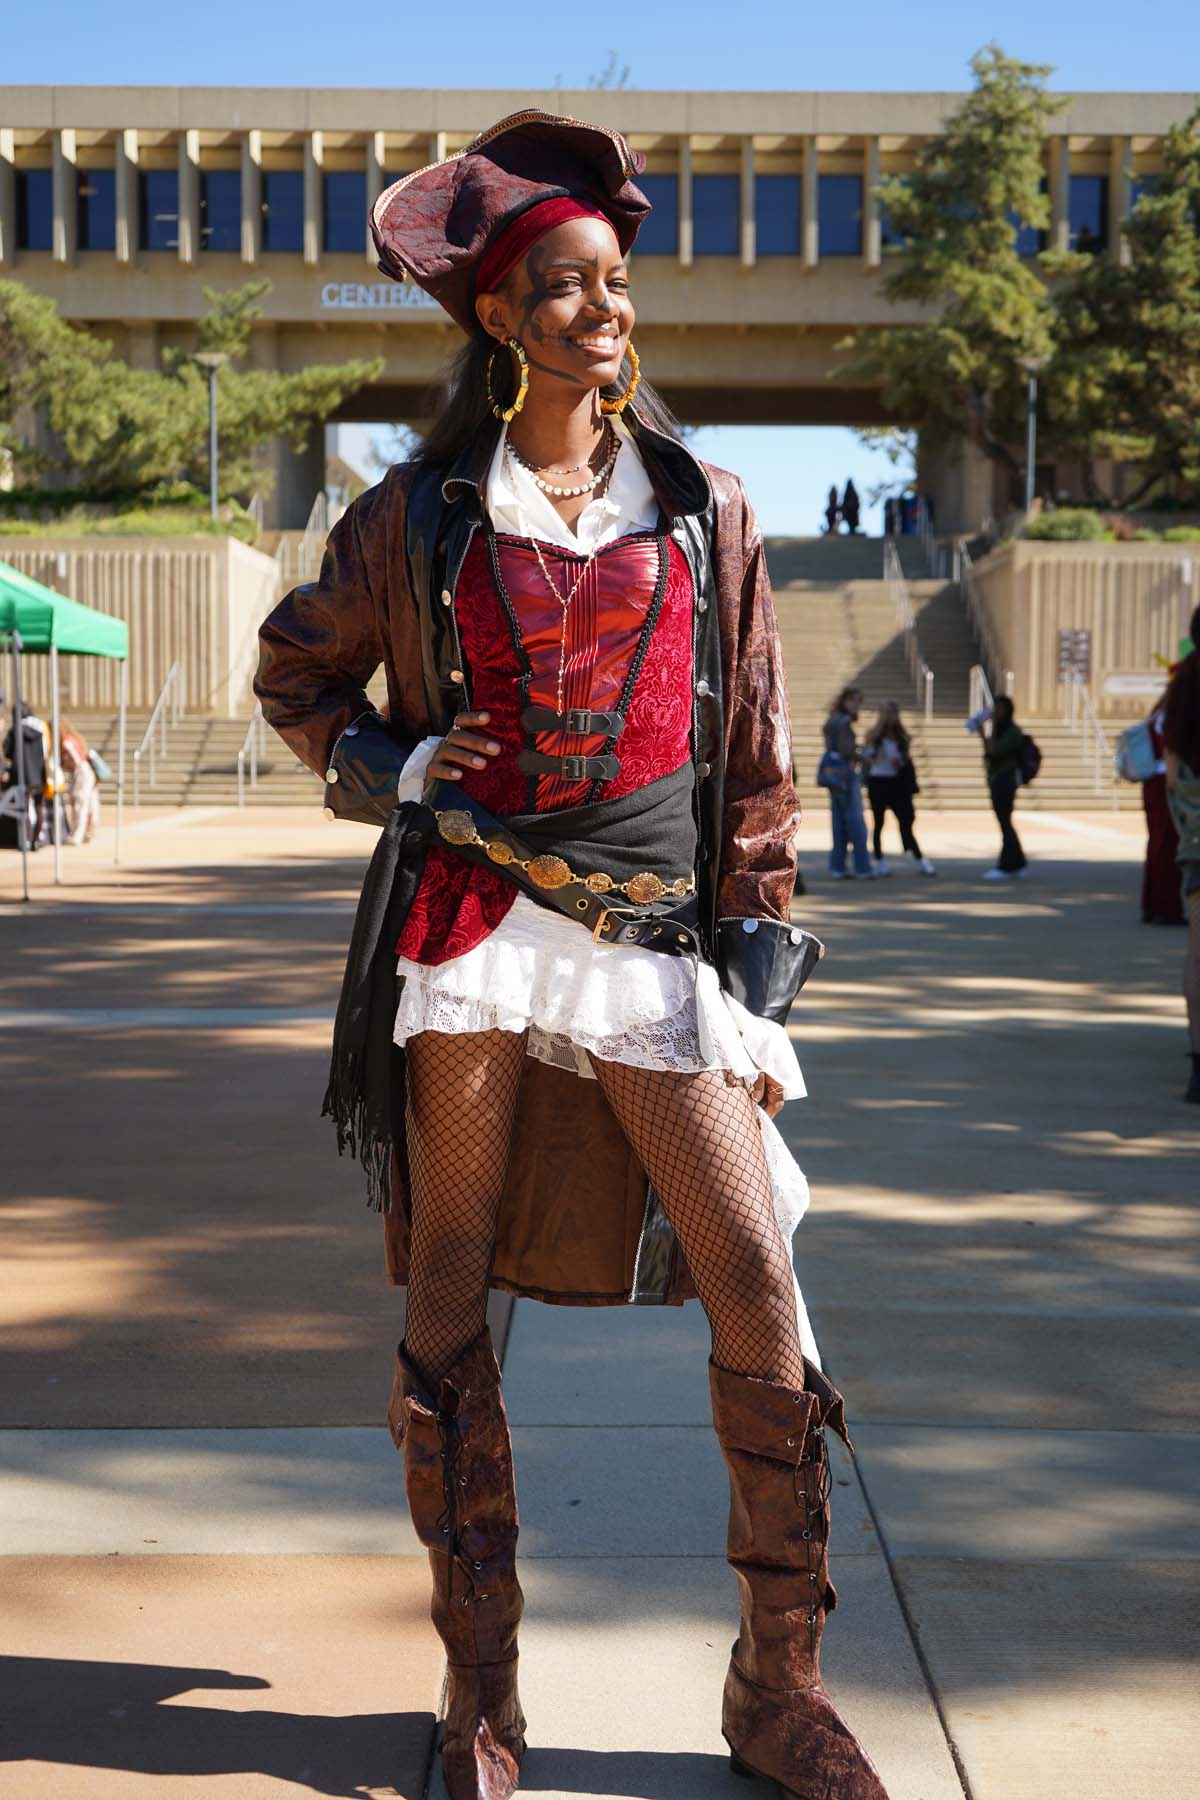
198, 600
1135, 599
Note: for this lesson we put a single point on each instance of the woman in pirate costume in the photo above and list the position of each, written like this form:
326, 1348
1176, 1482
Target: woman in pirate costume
560, 1036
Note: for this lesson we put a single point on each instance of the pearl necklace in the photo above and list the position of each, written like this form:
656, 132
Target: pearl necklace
568, 493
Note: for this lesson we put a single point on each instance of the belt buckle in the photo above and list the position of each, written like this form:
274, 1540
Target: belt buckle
574, 768
576, 722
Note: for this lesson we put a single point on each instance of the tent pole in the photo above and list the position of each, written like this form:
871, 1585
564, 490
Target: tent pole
121, 758
19, 749
56, 764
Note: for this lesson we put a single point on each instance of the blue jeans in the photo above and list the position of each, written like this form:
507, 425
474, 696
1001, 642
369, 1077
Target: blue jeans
849, 828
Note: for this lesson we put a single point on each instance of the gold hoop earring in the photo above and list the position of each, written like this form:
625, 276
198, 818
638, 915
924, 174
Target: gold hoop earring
509, 412
635, 375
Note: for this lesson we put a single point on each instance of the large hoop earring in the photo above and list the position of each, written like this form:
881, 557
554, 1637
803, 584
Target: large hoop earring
509, 412
635, 375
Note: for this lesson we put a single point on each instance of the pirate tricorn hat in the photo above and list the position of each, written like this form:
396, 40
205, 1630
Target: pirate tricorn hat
439, 224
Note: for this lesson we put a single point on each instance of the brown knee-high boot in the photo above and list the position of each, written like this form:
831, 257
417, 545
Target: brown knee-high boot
458, 1473
777, 1718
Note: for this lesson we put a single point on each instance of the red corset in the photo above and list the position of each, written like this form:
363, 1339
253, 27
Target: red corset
458, 905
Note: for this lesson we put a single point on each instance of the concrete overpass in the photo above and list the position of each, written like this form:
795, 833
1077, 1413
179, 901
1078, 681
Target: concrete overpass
766, 246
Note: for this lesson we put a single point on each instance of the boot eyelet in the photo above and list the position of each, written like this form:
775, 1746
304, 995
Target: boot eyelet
466, 1599
445, 1531
796, 1399
462, 1481
791, 1443
806, 1535
477, 1565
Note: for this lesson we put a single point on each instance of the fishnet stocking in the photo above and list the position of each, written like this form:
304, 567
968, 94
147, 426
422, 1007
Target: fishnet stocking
698, 1140
462, 1093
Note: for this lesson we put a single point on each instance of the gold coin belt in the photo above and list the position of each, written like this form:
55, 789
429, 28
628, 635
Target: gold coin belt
552, 872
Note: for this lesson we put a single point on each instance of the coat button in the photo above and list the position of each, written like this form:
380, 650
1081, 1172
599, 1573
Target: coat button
350, 731
457, 675
749, 926
701, 603
331, 774
327, 812
703, 770
795, 935
447, 597
703, 689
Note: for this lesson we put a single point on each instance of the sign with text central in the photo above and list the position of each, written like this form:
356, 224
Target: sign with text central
376, 297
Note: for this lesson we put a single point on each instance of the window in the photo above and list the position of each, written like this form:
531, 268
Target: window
716, 212
659, 235
96, 209
221, 209
1029, 240
1141, 187
35, 210
159, 194
777, 204
345, 210
283, 209
1087, 210
839, 212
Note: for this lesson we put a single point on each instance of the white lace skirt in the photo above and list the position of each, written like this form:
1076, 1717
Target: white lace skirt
538, 972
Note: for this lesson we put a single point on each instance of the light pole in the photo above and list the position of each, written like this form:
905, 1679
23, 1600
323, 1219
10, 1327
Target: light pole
212, 360
1033, 366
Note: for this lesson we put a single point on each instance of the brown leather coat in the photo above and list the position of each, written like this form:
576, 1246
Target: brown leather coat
576, 1223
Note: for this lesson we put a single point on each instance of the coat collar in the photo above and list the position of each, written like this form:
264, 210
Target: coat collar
678, 478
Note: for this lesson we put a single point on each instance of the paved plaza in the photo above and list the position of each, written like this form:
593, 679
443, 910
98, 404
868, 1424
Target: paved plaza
209, 1586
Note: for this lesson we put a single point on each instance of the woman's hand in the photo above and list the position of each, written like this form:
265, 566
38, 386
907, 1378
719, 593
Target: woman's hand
462, 748
768, 1094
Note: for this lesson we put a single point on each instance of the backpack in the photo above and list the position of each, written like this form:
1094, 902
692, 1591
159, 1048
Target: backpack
1031, 760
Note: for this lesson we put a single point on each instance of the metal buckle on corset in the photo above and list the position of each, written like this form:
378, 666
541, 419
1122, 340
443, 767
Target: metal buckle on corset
576, 768
577, 721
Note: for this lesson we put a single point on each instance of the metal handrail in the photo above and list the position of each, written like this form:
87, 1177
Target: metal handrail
999, 678
168, 711
1081, 716
254, 744
918, 669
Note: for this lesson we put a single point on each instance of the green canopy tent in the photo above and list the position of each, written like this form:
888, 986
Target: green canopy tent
35, 621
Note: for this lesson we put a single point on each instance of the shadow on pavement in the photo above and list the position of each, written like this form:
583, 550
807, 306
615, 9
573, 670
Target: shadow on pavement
105, 1715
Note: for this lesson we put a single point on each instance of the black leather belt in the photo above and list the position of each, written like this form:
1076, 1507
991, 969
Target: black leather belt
569, 768
457, 820
578, 721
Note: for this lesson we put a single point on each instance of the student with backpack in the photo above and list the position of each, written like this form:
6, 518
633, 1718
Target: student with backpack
1010, 759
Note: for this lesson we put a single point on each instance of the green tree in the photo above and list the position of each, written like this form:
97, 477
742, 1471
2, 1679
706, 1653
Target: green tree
1125, 380
958, 213
132, 430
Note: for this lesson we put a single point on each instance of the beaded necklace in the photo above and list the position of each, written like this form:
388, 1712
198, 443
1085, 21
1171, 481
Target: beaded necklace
571, 493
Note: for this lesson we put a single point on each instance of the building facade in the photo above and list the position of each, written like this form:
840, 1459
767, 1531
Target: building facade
765, 247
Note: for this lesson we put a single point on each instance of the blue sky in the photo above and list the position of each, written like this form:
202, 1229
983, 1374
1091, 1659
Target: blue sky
863, 45
868, 45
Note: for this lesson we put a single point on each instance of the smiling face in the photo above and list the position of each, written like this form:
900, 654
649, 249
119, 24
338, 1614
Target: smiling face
567, 304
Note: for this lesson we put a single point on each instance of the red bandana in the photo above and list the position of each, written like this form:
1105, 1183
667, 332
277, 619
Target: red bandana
516, 240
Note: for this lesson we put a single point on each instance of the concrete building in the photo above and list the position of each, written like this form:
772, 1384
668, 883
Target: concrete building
766, 245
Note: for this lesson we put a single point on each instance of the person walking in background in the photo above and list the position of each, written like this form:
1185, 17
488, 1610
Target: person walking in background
1181, 738
1003, 748
892, 784
838, 772
83, 789
833, 513
850, 508
35, 759
1162, 903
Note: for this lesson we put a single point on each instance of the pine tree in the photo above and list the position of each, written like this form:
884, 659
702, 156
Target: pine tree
132, 431
961, 374
1125, 381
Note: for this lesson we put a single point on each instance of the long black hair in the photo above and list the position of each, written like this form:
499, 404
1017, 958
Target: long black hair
467, 411
1181, 726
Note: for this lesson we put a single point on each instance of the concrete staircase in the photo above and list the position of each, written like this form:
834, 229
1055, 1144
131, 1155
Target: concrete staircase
838, 624
200, 767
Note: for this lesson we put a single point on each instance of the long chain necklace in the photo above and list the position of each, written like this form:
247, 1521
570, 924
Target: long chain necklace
585, 487
564, 602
